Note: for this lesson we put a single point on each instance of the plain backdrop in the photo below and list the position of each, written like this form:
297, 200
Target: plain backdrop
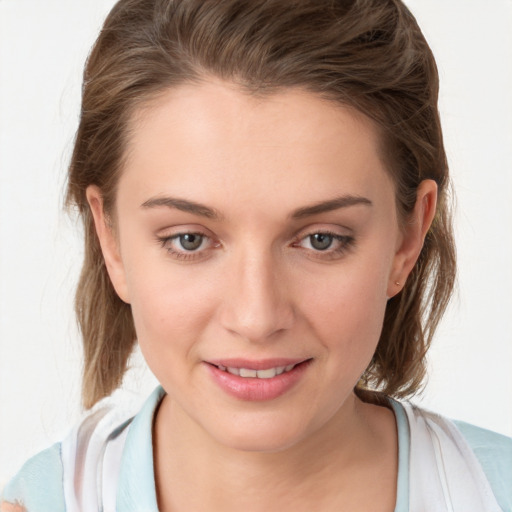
43, 46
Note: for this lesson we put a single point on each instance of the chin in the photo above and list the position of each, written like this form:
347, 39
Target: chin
261, 433
269, 441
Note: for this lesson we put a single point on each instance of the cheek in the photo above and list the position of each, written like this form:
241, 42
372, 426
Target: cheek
170, 309
347, 310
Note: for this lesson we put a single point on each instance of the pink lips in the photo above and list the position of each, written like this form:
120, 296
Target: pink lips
254, 388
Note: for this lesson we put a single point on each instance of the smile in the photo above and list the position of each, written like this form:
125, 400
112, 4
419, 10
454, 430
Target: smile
269, 373
257, 380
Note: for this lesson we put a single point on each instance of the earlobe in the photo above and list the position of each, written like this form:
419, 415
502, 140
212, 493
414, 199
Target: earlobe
414, 235
108, 242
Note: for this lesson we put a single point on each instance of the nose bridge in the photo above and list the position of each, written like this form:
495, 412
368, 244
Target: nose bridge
257, 305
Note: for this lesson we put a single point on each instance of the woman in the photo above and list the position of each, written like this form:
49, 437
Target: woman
264, 191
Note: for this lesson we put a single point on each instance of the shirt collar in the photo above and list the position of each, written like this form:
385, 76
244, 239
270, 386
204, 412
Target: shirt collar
136, 486
402, 488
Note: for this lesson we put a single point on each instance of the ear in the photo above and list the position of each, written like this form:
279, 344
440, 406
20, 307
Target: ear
414, 233
109, 242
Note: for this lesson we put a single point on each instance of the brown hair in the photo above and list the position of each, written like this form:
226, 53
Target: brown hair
369, 54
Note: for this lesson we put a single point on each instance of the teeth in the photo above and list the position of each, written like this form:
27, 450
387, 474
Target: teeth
266, 374
260, 374
244, 372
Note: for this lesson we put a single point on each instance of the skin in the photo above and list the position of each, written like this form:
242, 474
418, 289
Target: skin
258, 288
11, 507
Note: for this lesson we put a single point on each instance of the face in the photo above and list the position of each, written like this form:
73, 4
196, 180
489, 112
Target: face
257, 242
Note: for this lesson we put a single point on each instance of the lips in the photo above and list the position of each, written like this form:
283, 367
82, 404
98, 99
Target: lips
269, 373
257, 380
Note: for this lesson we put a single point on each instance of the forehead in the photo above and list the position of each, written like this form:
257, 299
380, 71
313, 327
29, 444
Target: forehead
214, 139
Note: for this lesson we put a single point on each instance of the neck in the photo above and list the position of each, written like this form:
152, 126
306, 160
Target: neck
195, 472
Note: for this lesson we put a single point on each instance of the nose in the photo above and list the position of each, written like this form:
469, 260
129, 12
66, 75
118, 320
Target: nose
256, 304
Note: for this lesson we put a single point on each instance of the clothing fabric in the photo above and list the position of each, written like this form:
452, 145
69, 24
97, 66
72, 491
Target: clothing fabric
106, 464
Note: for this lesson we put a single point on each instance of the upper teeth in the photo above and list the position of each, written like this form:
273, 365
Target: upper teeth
259, 374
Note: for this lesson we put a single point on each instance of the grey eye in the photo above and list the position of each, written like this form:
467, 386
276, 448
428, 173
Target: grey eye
190, 241
321, 241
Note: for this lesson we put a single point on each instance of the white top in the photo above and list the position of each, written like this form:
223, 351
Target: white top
106, 464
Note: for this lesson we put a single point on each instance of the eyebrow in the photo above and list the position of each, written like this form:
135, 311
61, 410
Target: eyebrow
330, 205
184, 205
211, 213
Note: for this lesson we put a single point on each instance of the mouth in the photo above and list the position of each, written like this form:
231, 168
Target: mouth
269, 373
257, 380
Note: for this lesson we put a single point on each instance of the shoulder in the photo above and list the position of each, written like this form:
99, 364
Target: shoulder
494, 452
48, 481
490, 452
38, 484
491, 446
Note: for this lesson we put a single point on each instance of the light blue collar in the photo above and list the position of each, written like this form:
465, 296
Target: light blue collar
404, 436
136, 488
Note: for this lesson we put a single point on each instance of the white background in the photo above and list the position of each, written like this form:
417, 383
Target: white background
42, 49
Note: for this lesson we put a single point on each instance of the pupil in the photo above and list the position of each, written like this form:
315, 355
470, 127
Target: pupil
190, 242
320, 241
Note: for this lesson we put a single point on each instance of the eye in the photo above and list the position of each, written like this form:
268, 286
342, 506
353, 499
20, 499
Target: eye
325, 244
321, 241
190, 241
186, 246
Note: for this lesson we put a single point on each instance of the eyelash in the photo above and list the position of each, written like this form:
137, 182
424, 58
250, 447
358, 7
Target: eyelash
345, 243
184, 255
